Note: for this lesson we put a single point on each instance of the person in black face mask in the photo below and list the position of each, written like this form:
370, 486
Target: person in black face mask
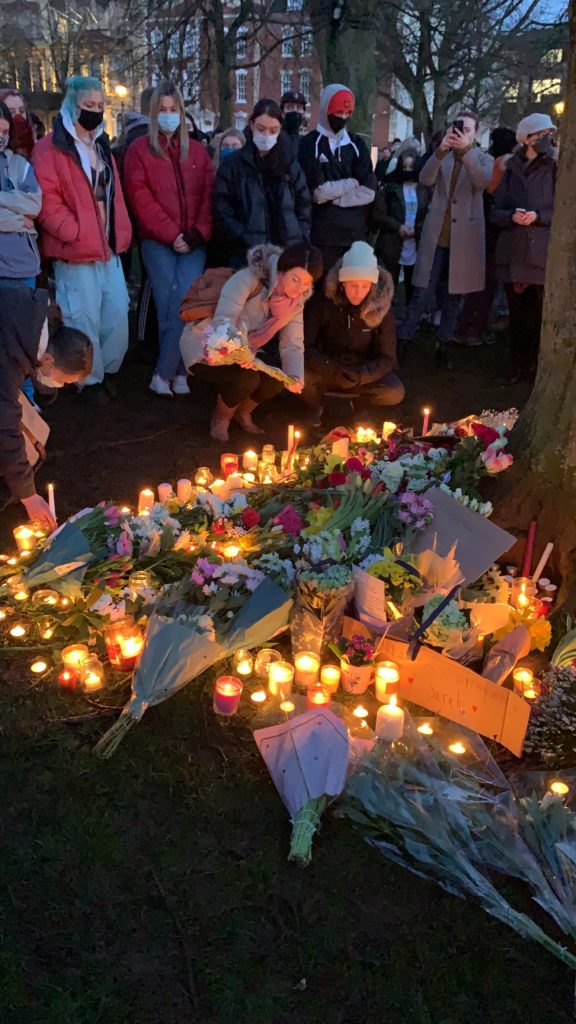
398, 215
339, 173
523, 206
293, 106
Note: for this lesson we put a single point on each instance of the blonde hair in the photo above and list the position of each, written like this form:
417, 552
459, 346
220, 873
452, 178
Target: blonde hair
167, 89
231, 133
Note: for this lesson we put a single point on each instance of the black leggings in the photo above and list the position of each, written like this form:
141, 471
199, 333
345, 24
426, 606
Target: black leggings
525, 323
235, 385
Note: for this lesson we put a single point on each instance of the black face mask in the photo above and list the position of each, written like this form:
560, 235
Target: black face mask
337, 123
90, 119
545, 145
409, 176
293, 121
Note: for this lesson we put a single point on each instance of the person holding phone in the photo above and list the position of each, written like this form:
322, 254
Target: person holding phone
452, 253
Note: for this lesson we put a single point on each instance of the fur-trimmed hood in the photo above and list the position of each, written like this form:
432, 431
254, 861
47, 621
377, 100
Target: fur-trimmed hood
263, 264
377, 303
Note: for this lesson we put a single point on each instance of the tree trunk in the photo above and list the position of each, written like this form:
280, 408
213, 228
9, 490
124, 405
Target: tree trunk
350, 58
542, 483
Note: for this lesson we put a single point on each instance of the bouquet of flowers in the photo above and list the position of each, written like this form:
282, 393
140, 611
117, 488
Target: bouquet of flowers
226, 344
321, 600
218, 609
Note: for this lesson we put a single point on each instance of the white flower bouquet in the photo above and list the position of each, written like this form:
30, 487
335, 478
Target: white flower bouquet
226, 344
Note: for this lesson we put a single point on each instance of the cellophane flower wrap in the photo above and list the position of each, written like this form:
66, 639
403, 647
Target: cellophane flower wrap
226, 344
322, 597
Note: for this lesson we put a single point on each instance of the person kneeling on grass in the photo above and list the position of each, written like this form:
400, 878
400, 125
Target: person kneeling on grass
350, 334
28, 349
267, 300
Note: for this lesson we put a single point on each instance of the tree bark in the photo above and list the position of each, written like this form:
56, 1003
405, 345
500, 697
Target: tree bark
542, 483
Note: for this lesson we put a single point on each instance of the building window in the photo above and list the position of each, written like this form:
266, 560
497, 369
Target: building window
191, 39
285, 81
242, 43
546, 87
306, 84
38, 77
156, 39
553, 57
306, 43
174, 50
241, 77
294, 5
240, 120
287, 41
511, 92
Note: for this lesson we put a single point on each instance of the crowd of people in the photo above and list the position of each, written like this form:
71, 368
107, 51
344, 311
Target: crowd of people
289, 233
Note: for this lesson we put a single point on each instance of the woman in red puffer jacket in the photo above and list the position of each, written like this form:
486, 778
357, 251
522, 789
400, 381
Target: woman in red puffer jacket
168, 181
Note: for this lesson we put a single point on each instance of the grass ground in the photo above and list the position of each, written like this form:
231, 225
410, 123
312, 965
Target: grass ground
154, 888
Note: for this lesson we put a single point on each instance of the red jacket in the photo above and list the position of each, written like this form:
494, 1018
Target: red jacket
169, 196
70, 220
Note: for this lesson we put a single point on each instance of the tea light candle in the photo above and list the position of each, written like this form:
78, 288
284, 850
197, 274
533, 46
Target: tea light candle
264, 659
287, 706
390, 721
45, 597
220, 489
457, 748
317, 696
18, 631
267, 473
280, 678
235, 481
307, 667
360, 712
25, 538
68, 679
250, 461
388, 429
231, 551
46, 627
330, 677
387, 679
75, 656
38, 667
184, 490
558, 788
227, 693
92, 674
522, 678
426, 729
165, 492
532, 690
243, 663
522, 592
203, 477
145, 500
258, 697
341, 447
426, 420
228, 463
4, 612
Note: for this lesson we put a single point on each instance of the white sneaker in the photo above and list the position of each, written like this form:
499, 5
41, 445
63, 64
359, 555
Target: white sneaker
160, 386
180, 385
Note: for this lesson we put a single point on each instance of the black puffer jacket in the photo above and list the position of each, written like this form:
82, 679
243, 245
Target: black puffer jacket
521, 252
260, 201
355, 344
22, 314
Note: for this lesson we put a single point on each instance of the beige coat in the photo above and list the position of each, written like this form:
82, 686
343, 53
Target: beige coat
245, 300
468, 235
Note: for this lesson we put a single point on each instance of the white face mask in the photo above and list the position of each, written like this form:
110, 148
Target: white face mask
48, 382
264, 143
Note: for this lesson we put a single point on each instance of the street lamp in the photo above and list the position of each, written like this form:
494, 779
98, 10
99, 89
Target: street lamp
121, 92
559, 108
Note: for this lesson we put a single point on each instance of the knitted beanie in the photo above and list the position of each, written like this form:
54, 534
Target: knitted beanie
533, 123
359, 264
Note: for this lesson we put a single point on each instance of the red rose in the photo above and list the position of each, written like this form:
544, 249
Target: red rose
461, 432
365, 473
250, 517
336, 478
354, 465
486, 435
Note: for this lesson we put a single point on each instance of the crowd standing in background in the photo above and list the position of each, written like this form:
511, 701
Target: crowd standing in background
286, 230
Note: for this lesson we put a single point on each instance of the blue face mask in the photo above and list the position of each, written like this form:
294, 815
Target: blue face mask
168, 123
226, 151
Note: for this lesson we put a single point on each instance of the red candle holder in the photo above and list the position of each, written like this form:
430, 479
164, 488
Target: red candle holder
229, 463
68, 679
124, 643
318, 696
227, 693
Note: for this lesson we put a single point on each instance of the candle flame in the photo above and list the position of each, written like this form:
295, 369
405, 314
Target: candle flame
18, 631
360, 712
559, 788
38, 667
393, 700
287, 706
426, 729
457, 748
258, 697
426, 411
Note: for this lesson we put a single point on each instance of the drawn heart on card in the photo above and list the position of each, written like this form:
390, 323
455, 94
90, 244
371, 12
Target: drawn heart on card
410, 680
474, 707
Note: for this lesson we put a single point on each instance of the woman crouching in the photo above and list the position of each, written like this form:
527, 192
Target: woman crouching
266, 299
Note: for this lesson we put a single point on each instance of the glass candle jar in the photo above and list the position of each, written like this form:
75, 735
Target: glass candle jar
522, 593
138, 583
124, 643
227, 693
146, 500
184, 490
522, 678
387, 677
307, 667
48, 598
280, 678
267, 473
269, 454
25, 538
264, 659
228, 463
92, 674
17, 589
243, 664
330, 677
203, 477
250, 461
75, 656
46, 627
317, 696
532, 690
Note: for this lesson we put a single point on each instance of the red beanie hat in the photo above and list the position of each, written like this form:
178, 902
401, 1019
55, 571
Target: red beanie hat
342, 100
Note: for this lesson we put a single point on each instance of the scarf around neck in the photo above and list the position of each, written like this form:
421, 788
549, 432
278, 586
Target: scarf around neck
281, 310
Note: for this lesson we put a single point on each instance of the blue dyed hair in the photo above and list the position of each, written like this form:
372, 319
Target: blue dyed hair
75, 86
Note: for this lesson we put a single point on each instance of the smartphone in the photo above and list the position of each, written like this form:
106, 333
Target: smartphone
459, 125
520, 209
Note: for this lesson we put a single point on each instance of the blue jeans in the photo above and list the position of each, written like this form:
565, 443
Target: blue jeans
17, 282
170, 276
93, 298
448, 304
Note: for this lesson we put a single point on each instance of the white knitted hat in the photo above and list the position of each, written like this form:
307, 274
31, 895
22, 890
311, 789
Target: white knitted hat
359, 264
533, 123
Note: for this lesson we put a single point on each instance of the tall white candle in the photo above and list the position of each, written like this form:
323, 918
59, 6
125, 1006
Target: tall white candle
51, 501
145, 500
184, 490
341, 447
235, 482
220, 489
390, 722
307, 666
290, 443
250, 461
164, 492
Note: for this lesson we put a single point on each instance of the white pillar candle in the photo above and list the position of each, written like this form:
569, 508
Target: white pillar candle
250, 461
387, 676
164, 492
184, 490
307, 667
235, 482
341, 447
290, 441
390, 722
330, 677
280, 678
220, 489
145, 500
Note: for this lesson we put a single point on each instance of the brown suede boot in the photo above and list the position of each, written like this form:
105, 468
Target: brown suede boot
221, 420
243, 416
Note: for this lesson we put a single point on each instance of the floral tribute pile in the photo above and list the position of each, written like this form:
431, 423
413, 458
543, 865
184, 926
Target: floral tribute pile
323, 551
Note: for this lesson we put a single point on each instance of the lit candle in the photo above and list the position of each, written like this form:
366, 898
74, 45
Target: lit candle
46, 626
250, 460
227, 693
532, 690
38, 667
228, 463
184, 490
258, 697
18, 631
426, 420
388, 429
269, 454
426, 729
68, 679
235, 481
267, 472
330, 677
25, 538
249, 481
92, 674
360, 712
522, 678
243, 663
145, 500
231, 550
203, 477
290, 441
164, 493
12, 561
124, 643
280, 678
45, 597
559, 788
307, 667
387, 679
75, 655
220, 489
287, 706
317, 696
522, 592
51, 500
4, 612
390, 721
457, 748
360, 435
341, 447
264, 659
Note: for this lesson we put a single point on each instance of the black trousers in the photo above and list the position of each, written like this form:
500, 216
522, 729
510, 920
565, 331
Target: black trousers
408, 286
525, 323
387, 391
235, 385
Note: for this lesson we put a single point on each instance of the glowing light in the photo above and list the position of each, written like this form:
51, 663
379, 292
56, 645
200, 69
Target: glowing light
258, 697
360, 712
18, 631
457, 748
38, 667
426, 729
559, 788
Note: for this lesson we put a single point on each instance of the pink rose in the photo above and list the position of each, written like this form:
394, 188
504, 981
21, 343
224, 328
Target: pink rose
496, 462
124, 544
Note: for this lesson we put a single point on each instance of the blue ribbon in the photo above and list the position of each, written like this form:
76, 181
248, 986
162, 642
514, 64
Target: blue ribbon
415, 644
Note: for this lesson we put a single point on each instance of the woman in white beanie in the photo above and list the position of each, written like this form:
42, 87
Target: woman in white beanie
350, 334
523, 205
